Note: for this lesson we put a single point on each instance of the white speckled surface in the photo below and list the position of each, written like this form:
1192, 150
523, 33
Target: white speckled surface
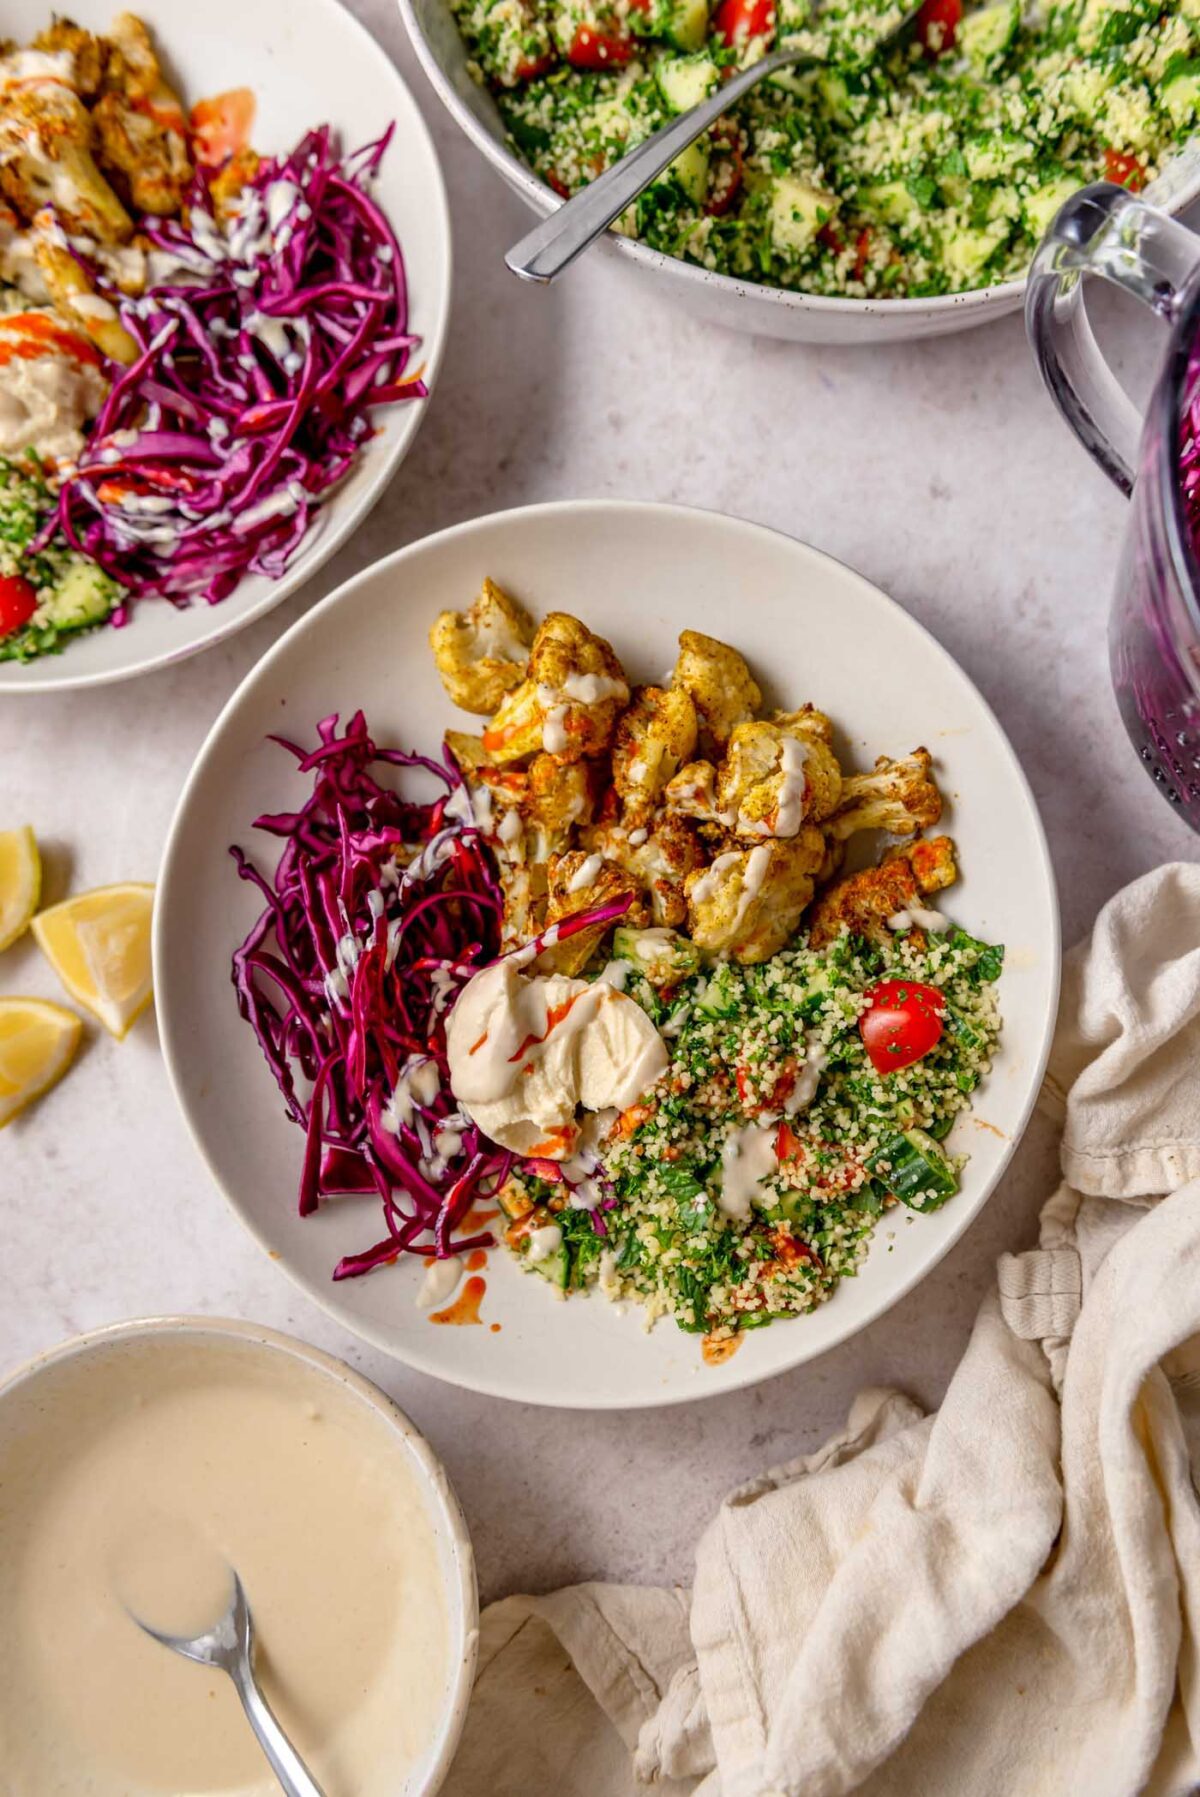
940, 472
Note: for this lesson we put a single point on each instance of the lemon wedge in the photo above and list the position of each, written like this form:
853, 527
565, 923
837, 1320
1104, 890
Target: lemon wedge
99, 946
37, 1044
20, 882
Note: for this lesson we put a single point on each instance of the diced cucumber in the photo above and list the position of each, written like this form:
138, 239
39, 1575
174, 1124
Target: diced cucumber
797, 212
1039, 208
687, 24
986, 35
962, 1031
995, 156
913, 1166
684, 81
969, 251
663, 956
893, 203
835, 97
555, 1267
1181, 93
721, 993
85, 595
690, 169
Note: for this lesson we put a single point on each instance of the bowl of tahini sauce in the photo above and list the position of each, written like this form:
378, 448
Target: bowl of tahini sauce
136, 1466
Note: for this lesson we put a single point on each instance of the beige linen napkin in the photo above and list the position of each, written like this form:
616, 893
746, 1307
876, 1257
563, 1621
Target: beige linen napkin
1000, 1600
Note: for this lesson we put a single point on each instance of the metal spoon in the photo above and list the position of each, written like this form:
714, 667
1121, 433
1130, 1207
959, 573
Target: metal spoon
230, 1647
553, 245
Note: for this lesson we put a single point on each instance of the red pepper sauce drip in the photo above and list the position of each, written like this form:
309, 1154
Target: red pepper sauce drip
465, 1308
715, 1350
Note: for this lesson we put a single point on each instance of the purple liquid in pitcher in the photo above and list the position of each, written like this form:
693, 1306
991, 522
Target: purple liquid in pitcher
1153, 643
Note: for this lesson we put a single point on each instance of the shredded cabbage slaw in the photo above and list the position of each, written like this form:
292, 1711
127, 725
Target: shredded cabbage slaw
379, 911
261, 352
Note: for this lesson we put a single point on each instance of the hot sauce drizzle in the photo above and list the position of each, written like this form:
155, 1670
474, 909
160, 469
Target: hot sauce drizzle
465, 1308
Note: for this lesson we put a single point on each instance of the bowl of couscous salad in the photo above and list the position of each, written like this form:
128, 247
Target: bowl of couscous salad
851, 203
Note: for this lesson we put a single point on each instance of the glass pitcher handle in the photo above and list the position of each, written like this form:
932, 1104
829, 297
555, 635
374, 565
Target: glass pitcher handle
1108, 231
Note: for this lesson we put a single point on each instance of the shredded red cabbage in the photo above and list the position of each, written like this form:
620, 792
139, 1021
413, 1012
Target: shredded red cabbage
260, 355
379, 912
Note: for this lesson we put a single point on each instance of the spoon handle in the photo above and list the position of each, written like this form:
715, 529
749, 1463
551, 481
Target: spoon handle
286, 1763
554, 244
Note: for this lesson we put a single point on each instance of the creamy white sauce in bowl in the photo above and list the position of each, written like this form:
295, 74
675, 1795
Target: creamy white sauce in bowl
136, 1466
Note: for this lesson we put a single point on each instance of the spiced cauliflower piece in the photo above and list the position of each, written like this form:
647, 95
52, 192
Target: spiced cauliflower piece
900, 797
139, 121
778, 774
654, 738
46, 159
578, 881
569, 704
581, 686
562, 795
659, 858
483, 653
719, 683
89, 53
749, 902
864, 901
75, 296
693, 793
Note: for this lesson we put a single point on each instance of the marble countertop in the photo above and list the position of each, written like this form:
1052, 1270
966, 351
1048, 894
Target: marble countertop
940, 471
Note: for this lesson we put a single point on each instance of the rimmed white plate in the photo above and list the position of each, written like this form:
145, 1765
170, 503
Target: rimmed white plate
813, 630
23, 1392
308, 62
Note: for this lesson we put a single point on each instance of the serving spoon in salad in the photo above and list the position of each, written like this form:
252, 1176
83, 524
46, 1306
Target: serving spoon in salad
229, 1646
858, 33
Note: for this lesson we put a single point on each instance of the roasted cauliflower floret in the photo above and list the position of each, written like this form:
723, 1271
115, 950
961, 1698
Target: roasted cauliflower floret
864, 901
90, 54
578, 881
581, 686
569, 703
225, 189
659, 859
693, 792
483, 653
654, 738
76, 298
749, 902
46, 159
777, 775
899, 797
561, 795
719, 683
140, 126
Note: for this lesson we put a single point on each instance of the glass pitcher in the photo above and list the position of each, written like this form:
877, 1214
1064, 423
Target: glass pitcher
1154, 628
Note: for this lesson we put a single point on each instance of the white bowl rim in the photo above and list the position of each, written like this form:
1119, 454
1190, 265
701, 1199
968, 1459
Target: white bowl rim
1004, 296
328, 1300
331, 535
463, 1592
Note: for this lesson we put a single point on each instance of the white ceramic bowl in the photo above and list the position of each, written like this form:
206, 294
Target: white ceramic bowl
721, 299
638, 573
308, 62
453, 1543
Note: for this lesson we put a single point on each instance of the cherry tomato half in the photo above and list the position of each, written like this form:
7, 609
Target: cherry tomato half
937, 24
18, 602
737, 21
1124, 169
903, 1023
592, 49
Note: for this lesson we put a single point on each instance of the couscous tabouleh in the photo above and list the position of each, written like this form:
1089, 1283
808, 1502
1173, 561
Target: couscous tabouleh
736, 1205
935, 169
